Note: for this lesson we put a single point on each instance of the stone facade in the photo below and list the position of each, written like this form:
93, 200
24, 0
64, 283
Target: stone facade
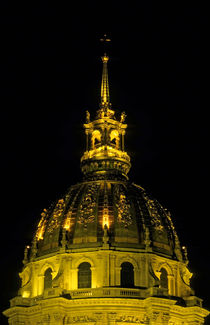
106, 302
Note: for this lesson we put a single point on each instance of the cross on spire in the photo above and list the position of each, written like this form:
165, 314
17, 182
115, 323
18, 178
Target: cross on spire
105, 40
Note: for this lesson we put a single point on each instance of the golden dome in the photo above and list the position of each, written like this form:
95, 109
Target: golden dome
132, 218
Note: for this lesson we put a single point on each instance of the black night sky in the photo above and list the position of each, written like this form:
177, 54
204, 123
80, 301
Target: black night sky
50, 72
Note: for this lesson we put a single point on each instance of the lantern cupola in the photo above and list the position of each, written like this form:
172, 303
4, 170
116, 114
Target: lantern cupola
105, 155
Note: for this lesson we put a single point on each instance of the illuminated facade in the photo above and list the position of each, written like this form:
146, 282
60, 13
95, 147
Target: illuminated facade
107, 252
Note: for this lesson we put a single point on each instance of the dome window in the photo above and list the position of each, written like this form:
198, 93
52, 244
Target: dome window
163, 278
127, 275
84, 275
48, 278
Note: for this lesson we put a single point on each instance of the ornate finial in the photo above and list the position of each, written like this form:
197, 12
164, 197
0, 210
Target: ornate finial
25, 261
184, 250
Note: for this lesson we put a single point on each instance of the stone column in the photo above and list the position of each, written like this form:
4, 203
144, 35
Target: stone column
112, 270
94, 280
74, 278
137, 277
117, 273
40, 284
171, 290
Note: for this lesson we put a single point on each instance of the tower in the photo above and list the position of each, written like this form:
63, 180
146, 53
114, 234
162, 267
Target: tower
106, 252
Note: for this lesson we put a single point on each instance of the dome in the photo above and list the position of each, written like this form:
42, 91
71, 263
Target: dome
106, 208
119, 210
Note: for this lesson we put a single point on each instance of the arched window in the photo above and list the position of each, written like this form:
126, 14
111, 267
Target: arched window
115, 138
48, 278
96, 139
127, 275
84, 275
163, 278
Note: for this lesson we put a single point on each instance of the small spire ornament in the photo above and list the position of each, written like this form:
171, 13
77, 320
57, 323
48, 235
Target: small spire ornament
25, 260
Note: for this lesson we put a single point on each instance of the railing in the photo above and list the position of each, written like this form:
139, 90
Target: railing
107, 292
111, 292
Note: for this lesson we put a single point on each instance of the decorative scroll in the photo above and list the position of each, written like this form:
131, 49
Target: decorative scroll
88, 205
186, 275
79, 319
123, 207
55, 220
142, 319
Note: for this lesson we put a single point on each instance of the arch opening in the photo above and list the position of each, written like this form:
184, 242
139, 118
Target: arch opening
84, 275
163, 278
48, 278
127, 275
96, 139
115, 138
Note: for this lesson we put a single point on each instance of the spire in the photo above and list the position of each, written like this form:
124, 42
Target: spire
105, 100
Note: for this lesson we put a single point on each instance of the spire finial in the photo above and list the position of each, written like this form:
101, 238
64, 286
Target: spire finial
105, 100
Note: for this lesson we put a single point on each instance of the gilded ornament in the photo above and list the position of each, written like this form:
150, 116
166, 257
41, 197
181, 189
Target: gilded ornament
123, 207
57, 213
42, 225
155, 218
88, 205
